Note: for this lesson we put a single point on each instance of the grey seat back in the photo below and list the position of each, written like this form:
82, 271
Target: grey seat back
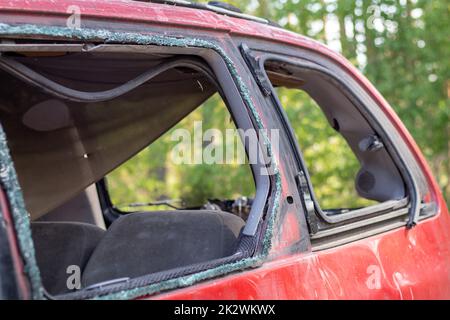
59, 245
148, 242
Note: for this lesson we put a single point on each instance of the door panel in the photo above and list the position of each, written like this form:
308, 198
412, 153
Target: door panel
399, 264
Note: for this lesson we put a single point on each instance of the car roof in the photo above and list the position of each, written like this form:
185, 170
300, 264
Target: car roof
169, 13
172, 15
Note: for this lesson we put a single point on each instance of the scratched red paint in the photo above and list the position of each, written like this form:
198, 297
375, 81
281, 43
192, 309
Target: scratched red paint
412, 264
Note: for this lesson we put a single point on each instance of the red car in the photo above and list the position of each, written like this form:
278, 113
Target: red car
87, 85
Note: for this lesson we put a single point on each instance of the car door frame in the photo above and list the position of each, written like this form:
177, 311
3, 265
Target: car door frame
397, 149
384, 265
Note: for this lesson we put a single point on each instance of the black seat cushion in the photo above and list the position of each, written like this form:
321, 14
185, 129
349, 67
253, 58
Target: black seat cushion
142, 243
59, 245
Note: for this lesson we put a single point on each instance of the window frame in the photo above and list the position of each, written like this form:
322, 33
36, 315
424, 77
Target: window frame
111, 212
322, 227
231, 96
254, 232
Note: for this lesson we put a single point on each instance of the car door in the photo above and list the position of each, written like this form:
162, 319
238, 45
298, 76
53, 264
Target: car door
395, 245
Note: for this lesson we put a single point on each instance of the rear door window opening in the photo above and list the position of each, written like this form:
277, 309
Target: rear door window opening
228, 186
91, 113
393, 199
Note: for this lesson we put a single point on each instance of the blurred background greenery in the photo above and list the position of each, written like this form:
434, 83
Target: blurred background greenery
402, 46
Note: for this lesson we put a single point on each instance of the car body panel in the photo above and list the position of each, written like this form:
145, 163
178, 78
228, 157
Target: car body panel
409, 265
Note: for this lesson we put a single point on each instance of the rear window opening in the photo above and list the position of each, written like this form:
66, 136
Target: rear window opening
90, 135
349, 178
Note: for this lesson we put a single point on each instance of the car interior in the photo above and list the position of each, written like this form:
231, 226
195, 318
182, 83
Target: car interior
72, 118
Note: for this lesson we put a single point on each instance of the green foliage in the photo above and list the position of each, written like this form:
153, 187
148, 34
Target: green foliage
401, 46
152, 174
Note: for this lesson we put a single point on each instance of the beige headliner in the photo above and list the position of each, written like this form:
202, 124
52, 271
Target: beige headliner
61, 147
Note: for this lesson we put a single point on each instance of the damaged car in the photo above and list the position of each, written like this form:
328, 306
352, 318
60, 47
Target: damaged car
80, 102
